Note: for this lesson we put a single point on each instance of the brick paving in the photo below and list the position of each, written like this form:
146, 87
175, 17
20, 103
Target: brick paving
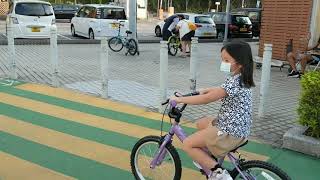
135, 80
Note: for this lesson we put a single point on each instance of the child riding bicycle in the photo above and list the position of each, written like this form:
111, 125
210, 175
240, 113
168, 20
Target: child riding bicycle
232, 126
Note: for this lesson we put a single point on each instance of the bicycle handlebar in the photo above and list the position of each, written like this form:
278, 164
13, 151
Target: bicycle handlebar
174, 111
177, 94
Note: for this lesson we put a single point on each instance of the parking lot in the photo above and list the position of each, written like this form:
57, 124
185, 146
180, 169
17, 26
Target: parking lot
145, 30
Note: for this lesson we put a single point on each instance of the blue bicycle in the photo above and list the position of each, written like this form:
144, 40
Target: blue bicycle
117, 43
154, 157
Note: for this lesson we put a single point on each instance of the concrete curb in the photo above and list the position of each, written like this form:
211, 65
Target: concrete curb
294, 139
88, 41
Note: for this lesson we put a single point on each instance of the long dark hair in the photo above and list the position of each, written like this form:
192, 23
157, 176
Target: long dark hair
241, 52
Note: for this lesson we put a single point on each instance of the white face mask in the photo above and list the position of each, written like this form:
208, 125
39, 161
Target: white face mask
225, 67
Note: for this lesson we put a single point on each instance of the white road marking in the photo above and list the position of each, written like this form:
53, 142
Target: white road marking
64, 37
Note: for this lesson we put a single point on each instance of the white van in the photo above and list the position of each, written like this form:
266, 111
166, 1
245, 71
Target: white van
31, 18
95, 21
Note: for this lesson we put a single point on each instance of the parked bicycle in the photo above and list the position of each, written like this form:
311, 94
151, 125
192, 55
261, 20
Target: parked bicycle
174, 45
155, 157
117, 43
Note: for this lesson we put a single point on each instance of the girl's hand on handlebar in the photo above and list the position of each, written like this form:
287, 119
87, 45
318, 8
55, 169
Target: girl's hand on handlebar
176, 99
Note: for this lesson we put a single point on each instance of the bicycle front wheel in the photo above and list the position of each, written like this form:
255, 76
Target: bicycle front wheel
173, 45
115, 44
132, 47
142, 154
259, 170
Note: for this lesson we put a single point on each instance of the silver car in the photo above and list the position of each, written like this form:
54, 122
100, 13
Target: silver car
205, 25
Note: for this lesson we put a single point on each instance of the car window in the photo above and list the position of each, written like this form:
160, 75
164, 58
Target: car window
82, 12
91, 12
33, 9
57, 7
241, 20
219, 17
204, 20
69, 8
113, 13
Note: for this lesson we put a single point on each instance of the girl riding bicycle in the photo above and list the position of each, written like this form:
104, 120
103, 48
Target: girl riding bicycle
231, 128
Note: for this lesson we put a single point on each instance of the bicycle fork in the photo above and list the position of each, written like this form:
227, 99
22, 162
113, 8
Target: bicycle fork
161, 154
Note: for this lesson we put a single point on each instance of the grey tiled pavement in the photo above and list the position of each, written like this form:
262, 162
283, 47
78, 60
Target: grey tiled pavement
135, 80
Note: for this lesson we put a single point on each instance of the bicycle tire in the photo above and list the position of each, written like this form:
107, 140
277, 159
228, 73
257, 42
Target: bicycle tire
173, 152
132, 50
245, 166
116, 41
172, 46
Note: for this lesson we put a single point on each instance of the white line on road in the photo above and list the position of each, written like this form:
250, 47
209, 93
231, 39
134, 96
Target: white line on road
64, 37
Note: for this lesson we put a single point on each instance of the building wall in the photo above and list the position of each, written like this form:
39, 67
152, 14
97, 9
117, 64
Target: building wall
4, 7
283, 20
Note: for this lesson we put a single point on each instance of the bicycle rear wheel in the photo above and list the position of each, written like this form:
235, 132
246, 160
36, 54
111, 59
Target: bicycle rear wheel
173, 45
115, 44
142, 154
259, 170
132, 47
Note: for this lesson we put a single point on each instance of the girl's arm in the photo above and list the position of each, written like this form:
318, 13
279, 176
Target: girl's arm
206, 96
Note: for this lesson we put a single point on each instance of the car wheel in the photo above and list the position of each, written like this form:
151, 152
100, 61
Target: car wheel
91, 34
73, 31
220, 35
158, 31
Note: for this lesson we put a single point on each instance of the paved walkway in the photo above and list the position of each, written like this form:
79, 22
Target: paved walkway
53, 133
135, 80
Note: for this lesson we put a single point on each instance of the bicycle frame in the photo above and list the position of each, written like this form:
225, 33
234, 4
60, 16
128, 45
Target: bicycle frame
179, 132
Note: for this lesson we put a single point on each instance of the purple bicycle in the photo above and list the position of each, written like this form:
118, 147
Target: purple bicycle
155, 157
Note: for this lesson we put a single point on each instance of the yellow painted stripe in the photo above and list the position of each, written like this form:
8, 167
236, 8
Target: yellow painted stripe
81, 147
79, 117
13, 168
95, 101
95, 121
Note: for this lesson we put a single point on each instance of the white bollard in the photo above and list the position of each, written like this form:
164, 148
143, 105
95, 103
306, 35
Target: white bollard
265, 78
104, 61
54, 55
194, 64
12, 52
163, 73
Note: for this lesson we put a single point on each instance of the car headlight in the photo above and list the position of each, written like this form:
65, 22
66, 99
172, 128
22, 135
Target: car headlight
53, 22
14, 20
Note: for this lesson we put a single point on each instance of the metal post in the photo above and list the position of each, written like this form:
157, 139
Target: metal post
133, 18
54, 55
163, 73
12, 52
265, 78
104, 60
227, 22
133, 21
194, 64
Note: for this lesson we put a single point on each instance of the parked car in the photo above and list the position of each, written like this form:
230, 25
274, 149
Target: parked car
205, 25
96, 21
255, 17
238, 25
30, 18
65, 11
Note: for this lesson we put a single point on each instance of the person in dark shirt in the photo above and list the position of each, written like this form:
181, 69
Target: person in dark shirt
169, 26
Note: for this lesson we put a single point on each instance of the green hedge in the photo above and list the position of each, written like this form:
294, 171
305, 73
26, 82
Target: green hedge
309, 105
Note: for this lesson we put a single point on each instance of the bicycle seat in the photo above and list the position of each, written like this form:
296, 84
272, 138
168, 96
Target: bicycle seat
128, 32
241, 145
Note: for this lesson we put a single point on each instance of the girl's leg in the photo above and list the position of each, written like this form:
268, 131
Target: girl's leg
192, 144
204, 122
183, 46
